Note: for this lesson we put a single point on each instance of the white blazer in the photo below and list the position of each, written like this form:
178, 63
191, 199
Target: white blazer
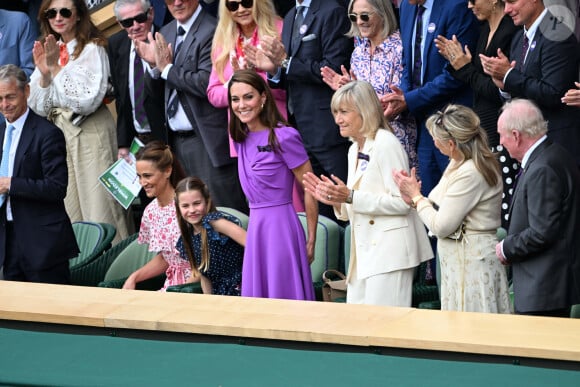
386, 235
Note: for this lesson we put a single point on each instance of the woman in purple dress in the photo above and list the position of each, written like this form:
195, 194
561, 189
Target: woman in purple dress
270, 156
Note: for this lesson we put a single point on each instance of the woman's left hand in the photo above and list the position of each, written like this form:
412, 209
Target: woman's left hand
332, 192
52, 51
408, 185
452, 51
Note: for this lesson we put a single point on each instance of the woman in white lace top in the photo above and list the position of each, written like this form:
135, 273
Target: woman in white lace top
68, 87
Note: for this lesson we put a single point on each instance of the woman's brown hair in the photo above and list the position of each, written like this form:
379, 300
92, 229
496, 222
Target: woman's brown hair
270, 116
159, 153
86, 31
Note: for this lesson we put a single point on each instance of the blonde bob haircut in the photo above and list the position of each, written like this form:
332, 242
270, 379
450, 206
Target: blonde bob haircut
362, 98
226, 34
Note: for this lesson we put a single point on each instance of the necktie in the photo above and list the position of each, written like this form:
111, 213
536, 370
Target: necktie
6, 157
295, 42
139, 91
174, 101
178, 41
525, 45
417, 48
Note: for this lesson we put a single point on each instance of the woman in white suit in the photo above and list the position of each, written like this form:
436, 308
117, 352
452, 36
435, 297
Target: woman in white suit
388, 240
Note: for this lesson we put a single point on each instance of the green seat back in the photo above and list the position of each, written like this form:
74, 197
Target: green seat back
242, 218
94, 272
89, 236
327, 247
133, 257
110, 234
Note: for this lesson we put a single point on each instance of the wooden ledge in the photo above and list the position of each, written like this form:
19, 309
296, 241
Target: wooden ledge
317, 322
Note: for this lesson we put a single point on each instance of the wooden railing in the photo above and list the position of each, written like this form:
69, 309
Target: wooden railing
312, 322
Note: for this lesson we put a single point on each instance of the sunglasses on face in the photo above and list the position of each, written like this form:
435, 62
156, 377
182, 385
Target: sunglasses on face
233, 6
64, 12
363, 16
141, 18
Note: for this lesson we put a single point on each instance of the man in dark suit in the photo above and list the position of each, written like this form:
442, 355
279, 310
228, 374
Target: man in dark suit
36, 236
197, 131
542, 242
426, 85
139, 114
542, 66
312, 39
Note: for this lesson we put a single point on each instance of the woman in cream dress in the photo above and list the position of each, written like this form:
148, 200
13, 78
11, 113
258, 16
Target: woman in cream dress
68, 87
463, 211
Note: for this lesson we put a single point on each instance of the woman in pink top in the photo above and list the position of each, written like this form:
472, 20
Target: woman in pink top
240, 23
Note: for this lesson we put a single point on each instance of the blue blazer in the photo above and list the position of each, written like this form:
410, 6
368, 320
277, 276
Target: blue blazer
37, 191
448, 18
16, 40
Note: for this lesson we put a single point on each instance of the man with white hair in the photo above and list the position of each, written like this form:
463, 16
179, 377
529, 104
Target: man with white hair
542, 242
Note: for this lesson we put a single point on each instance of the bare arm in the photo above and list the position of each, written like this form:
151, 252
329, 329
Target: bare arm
230, 229
311, 206
153, 268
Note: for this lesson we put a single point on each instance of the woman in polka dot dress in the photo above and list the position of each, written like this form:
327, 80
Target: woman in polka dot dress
210, 240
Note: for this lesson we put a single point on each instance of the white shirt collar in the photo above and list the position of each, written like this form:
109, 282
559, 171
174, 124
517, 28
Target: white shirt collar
534, 27
532, 148
305, 3
19, 123
187, 25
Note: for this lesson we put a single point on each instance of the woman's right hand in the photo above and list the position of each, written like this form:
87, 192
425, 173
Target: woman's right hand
130, 283
335, 80
409, 186
39, 56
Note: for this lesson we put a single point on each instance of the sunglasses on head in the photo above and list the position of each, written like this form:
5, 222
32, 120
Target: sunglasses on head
233, 6
364, 16
141, 18
64, 12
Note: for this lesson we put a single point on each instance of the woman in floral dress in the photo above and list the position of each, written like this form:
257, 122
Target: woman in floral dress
377, 59
159, 171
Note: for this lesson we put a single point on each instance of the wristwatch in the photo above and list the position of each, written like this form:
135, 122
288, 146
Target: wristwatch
415, 200
285, 62
348, 199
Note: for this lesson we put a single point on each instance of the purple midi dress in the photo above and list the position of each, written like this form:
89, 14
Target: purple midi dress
275, 260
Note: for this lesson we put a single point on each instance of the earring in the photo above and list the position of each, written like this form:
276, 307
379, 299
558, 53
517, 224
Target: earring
262, 108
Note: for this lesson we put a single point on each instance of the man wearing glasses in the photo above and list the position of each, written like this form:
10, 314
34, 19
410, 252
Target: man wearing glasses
139, 113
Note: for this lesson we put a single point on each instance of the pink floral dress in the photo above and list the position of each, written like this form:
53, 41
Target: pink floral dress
160, 230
